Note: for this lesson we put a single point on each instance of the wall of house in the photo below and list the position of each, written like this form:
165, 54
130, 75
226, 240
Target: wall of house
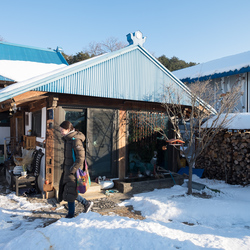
28, 122
226, 84
41, 177
28, 126
4, 129
5, 133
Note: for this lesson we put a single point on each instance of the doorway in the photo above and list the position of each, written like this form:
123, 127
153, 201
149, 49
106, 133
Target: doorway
100, 146
98, 127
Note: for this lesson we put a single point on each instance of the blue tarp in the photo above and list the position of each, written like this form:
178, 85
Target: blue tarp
196, 171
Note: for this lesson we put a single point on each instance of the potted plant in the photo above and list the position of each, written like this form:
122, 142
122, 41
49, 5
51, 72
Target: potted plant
24, 172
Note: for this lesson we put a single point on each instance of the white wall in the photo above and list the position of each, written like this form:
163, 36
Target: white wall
4, 132
41, 177
28, 127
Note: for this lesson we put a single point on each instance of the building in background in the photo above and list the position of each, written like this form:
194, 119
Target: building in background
19, 63
226, 72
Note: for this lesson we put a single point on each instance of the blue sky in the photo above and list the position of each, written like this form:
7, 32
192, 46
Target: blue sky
194, 30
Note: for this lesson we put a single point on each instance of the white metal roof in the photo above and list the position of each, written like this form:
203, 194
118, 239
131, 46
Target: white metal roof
225, 66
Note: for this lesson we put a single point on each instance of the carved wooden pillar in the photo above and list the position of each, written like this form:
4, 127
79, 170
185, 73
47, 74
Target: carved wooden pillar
49, 168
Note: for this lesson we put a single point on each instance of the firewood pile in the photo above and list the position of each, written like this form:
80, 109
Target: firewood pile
227, 158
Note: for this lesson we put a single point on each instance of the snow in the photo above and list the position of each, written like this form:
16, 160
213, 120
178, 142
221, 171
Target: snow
221, 65
23, 70
173, 220
31, 83
235, 121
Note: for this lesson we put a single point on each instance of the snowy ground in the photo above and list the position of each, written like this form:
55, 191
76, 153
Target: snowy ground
173, 221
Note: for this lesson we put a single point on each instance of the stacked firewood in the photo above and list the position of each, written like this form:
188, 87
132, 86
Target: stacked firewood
227, 158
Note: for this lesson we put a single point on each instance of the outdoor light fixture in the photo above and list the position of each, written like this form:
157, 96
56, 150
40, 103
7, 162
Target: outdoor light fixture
14, 108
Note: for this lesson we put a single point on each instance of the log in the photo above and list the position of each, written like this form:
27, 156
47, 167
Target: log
227, 158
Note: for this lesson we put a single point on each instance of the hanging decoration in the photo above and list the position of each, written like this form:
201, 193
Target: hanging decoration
145, 125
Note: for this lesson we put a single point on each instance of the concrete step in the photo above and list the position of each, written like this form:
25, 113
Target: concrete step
94, 192
94, 187
93, 196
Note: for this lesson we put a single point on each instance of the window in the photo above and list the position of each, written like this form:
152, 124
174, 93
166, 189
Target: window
36, 123
4, 119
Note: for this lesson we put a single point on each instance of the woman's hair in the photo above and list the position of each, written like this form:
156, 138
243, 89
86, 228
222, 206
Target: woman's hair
67, 125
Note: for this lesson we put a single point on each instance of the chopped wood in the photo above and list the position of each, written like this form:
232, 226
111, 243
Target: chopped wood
227, 158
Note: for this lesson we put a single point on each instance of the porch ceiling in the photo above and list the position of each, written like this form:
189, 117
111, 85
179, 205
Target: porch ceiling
22, 99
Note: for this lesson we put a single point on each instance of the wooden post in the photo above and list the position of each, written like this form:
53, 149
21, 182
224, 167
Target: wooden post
122, 145
49, 174
50, 138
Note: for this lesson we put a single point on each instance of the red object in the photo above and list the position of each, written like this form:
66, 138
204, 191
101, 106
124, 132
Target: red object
175, 142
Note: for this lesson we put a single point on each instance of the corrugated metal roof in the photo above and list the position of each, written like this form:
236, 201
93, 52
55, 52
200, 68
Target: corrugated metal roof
130, 73
10, 51
226, 66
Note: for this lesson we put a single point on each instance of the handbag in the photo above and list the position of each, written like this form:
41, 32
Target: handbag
82, 177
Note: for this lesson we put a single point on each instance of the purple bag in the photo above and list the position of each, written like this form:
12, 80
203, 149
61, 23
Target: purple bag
83, 179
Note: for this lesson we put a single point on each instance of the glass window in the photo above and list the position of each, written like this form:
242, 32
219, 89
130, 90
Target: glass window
4, 119
36, 123
77, 117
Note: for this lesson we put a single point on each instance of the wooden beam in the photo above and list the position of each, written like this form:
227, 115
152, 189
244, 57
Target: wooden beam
29, 96
5, 106
22, 100
37, 105
122, 141
88, 101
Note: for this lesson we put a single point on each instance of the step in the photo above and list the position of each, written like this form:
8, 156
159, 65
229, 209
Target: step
93, 195
94, 187
94, 192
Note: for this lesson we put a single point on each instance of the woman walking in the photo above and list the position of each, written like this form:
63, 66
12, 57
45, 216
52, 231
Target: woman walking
67, 189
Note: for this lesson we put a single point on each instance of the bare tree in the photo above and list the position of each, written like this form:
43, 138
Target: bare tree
109, 45
189, 122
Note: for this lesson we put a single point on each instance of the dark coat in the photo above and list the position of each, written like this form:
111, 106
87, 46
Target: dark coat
67, 186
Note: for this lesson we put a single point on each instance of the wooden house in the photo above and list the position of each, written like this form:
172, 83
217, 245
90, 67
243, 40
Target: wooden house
100, 96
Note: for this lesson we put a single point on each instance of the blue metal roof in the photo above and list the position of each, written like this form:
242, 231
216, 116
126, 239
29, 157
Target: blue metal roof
130, 73
16, 52
127, 74
2, 78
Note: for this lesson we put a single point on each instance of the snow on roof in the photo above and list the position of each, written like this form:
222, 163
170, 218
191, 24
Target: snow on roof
229, 65
23, 70
61, 68
21, 62
238, 121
